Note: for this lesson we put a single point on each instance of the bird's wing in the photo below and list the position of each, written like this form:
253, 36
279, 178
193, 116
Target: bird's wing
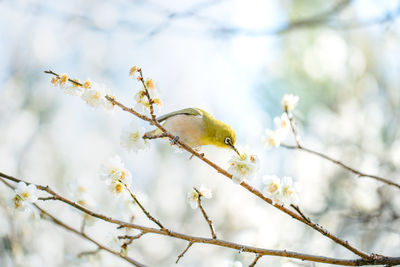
185, 111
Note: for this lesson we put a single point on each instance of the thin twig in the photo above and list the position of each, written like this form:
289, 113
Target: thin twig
293, 128
141, 207
208, 220
299, 146
55, 74
46, 198
345, 166
131, 238
183, 252
300, 212
151, 101
258, 256
373, 260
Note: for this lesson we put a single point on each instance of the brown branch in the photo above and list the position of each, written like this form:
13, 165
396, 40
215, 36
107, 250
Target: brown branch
347, 167
58, 76
183, 252
258, 256
46, 198
151, 102
373, 260
70, 228
300, 212
141, 206
208, 220
131, 238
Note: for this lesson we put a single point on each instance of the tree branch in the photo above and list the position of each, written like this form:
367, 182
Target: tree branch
141, 207
183, 252
373, 260
255, 260
345, 166
208, 220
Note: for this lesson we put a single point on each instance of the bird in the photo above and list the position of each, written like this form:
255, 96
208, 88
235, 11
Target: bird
196, 127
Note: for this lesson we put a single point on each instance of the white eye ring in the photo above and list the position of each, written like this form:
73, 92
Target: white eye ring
228, 141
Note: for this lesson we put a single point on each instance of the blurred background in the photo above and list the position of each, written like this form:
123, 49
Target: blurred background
235, 59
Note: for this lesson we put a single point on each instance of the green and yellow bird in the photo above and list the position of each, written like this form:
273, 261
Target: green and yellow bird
196, 128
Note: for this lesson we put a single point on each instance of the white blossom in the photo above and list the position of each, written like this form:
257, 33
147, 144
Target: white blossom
142, 102
243, 166
95, 97
132, 138
289, 191
283, 124
289, 102
283, 191
113, 171
72, 89
273, 138
272, 187
192, 198
205, 191
25, 196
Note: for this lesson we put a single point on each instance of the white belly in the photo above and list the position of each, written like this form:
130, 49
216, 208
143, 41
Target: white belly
187, 127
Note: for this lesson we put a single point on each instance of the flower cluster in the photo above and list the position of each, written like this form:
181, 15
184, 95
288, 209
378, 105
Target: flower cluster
274, 138
193, 195
243, 166
94, 95
25, 195
141, 97
282, 191
132, 138
116, 175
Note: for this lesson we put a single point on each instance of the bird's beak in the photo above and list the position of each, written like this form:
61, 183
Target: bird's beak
234, 148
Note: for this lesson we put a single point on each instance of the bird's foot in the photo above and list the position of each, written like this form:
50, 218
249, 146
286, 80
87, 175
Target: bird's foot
174, 140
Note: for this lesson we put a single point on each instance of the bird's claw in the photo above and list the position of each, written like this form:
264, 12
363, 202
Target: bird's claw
174, 140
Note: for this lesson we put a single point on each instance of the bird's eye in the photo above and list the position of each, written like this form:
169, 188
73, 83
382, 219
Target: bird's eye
227, 141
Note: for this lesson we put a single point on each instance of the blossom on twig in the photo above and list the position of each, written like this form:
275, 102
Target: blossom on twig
115, 175
243, 166
289, 102
24, 196
282, 191
94, 96
193, 195
132, 138
274, 138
